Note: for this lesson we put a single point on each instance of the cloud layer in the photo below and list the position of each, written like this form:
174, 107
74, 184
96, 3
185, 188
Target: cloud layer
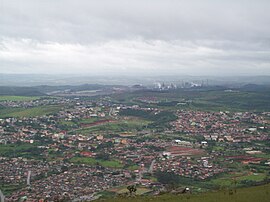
150, 37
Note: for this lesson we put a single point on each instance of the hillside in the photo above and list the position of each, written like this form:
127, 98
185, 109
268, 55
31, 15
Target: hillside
251, 194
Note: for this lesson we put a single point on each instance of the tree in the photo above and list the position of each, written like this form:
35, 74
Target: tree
103, 156
167, 178
132, 189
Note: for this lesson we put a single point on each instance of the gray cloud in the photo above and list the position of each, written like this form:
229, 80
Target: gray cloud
135, 37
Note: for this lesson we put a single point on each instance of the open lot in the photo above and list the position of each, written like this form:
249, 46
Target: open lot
92, 161
114, 126
29, 112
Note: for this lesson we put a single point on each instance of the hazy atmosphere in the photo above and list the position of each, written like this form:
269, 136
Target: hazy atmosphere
142, 37
134, 100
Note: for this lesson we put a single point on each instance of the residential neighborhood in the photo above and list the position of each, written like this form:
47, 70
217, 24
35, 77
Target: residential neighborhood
87, 147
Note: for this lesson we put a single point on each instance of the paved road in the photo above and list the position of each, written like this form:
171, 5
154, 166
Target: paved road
151, 166
2, 197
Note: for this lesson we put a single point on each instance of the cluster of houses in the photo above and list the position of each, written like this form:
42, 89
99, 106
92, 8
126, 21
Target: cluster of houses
74, 183
200, 168
223, 126
54, 175
34, 102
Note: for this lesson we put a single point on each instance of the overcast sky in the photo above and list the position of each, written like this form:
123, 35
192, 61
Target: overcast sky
135, 37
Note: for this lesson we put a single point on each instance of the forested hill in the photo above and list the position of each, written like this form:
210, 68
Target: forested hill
20, 91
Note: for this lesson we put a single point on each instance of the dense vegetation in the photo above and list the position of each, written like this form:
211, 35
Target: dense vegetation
160, 119
19, 91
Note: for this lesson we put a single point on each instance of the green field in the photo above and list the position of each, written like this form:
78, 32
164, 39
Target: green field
71, 124
29, 112
119, 126
252, 194
18, 98
9, 188
92, 161
140, 190
89, 120
237, 179
20, 150
67, 123
133, 167
267, 156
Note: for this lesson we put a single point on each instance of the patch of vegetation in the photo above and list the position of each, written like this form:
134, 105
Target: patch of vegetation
92, 161
161, 119
133, 167
238, 179
10, 188
167, 104
19, 91
171, 178
139, 191
204, 99
89, 120
258, 193
29, 112
115, 127
20, 150
18, 98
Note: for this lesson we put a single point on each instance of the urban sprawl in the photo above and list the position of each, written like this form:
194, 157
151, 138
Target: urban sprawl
87, 147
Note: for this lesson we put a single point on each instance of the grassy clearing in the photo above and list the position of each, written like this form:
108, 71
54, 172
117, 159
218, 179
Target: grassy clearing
140, 190
67, 123
252, 194
257, 177
8, 148
133, 167
29, 112
228, 181
9, 188
120, 126
18, 98
89, 120
267, 156
92, 161
20, 150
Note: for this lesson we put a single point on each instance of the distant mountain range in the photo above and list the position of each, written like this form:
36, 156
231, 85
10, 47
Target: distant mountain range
92, 89
45, 89
62, 80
